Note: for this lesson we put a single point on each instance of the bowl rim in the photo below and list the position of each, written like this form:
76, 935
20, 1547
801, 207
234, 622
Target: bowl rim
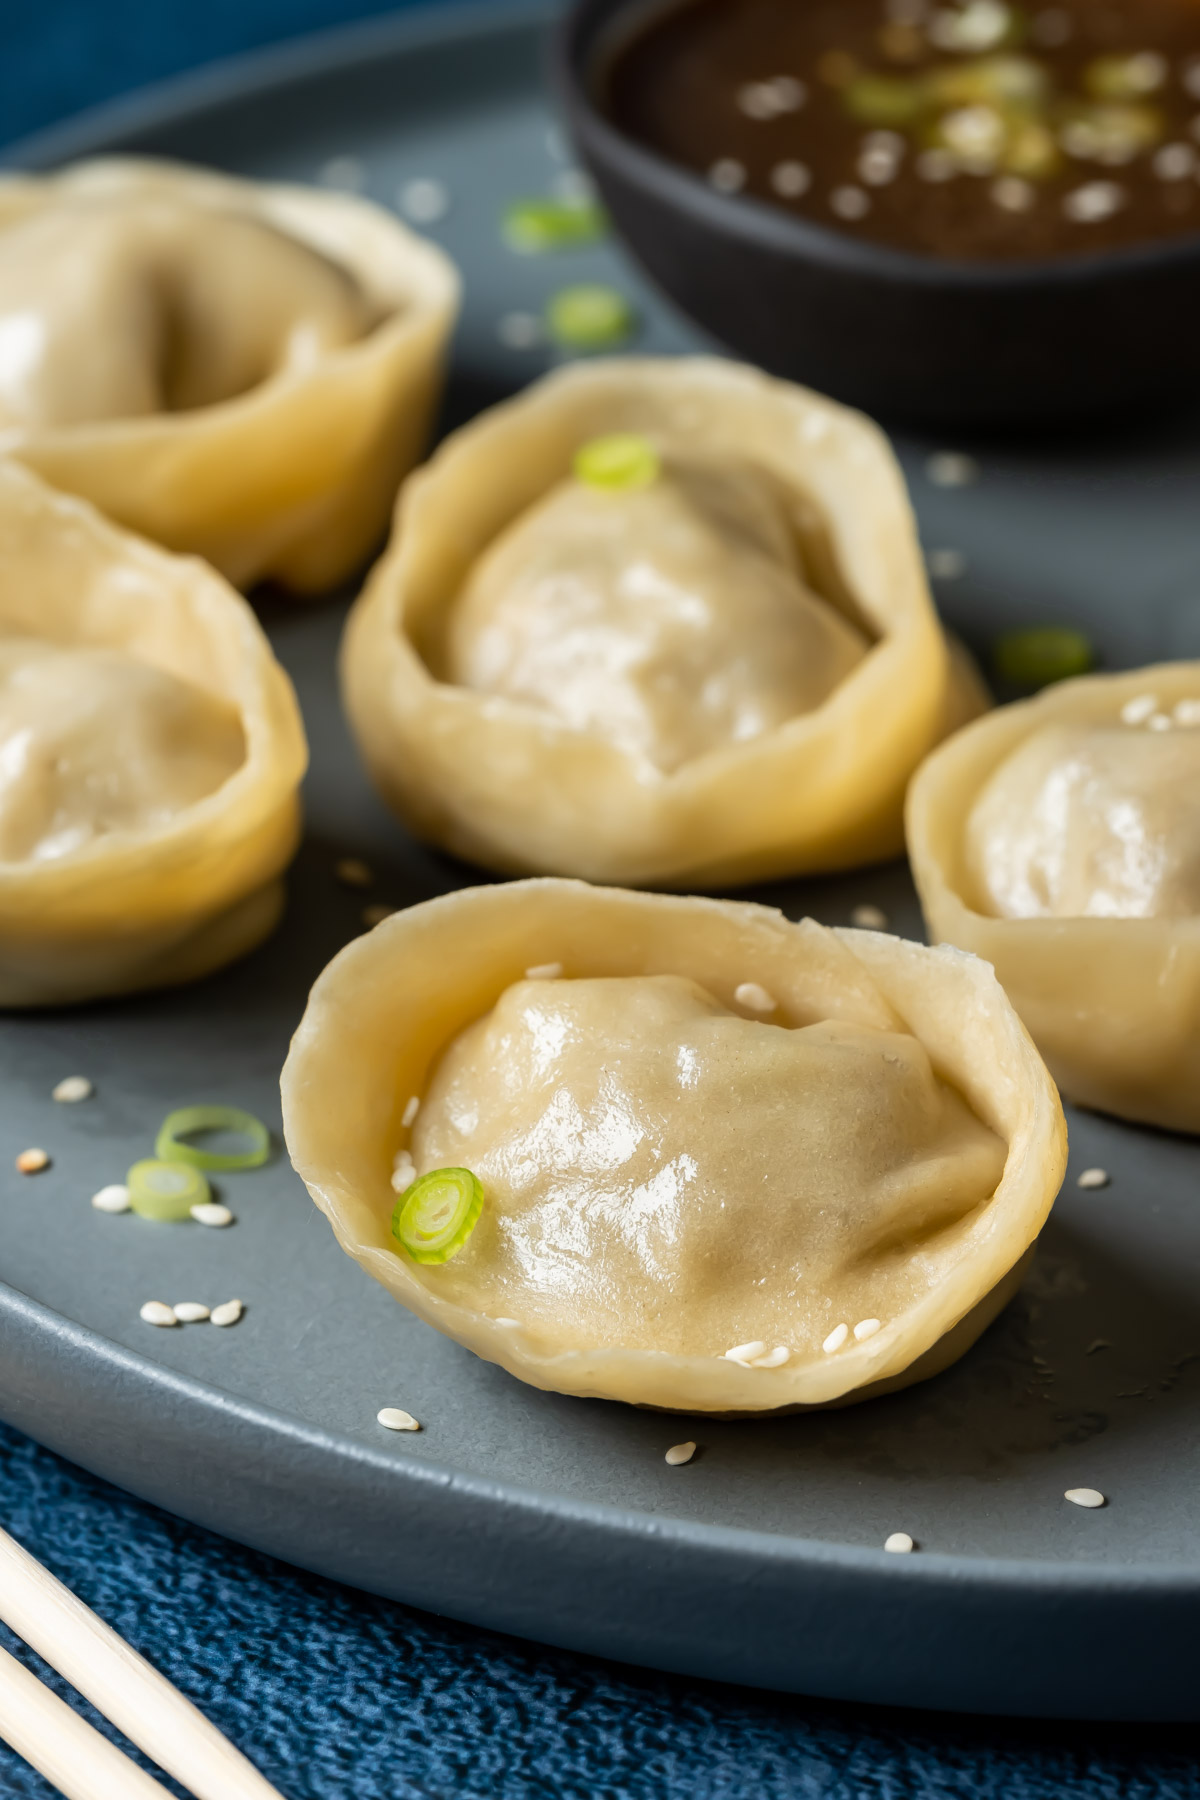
574, 44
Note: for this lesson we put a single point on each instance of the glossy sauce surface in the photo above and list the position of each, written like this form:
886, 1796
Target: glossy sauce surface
975, 129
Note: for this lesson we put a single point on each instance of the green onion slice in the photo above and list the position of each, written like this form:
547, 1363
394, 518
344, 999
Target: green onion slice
436, 1215
166, 1190
622, 460
534, 226
589, 317
169, 1146
1041, 655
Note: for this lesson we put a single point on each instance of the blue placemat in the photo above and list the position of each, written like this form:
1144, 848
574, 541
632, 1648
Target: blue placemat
334, 1693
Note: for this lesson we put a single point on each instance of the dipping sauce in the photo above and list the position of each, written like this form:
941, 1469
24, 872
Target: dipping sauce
975, 129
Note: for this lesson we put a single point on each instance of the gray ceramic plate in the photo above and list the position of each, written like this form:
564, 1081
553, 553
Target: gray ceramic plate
761, 1561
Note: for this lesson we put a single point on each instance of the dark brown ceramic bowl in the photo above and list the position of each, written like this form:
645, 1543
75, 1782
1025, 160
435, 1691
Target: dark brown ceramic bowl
906, 336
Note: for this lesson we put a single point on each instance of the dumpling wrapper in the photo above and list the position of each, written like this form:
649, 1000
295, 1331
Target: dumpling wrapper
1061, 840
666, 1176
524, 781
241, 370
151, 751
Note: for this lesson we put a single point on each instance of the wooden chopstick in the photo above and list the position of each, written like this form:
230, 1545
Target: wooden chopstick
120, 1684
63, 1747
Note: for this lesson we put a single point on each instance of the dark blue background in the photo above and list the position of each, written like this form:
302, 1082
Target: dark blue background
336, 1694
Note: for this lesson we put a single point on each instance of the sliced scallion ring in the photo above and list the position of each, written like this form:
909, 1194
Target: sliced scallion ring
166, 1190
533, 226
436, 1215
621, 460
589, 317
170, 1145
1042, 654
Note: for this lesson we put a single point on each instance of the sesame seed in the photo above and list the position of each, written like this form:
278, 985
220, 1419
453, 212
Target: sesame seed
544, 972
869, 918
1137, 711
404, 1171
157, 1312
112, 1199
746, 1353
375, 915
755, 998
411, 1109
1146, 71
791, 179
343, 172
866, 1328
790, 94
72, 1089
936, 165
774, 1359
850, 202
512, 1324
190, 1312
32, 1162
757, 100
1187, 712
878, 166
1094, 201
1093, 1178
680, 1453
228, 1313
1097, 1344
1158, 722
951, 469
424, 200
947, 565
1014, 195
1090, 1497
900, 1544
211, 1212
521, 330
836, 1339
394, 1418
1174, 162
727, 175
351, 871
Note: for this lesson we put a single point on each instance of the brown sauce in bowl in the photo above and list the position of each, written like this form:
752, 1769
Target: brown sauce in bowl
955, 128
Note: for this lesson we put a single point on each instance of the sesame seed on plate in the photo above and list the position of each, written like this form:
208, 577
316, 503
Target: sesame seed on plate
866, 1328
951, 469
869, 918
755, 998
899, 1543
32, 1162
375, 915
946, 565
877, 167
1093, 1178
394, 1418
1089, 1497
850, 202
1158, 722
1139, 709
112, 1199
521, 330
1175, 162
727, 175
1094, 201
157, 1312
1012, 194
836, 1339
211, 1212
680, 1453
71, 1089
352, 871
228, 1313
1187, 712
544, 972
746, 1353
790, 179
411, 1109
190, 1312
424, 200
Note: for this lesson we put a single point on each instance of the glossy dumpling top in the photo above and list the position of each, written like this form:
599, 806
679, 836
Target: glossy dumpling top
1093, 821
115, 310
665, 1173
93, 741
671, 618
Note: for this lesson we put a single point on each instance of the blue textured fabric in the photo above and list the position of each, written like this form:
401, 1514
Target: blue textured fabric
336, 1694
339, 1695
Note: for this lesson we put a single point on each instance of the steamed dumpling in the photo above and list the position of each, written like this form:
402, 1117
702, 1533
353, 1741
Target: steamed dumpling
665, 1174
672, 619
1099, 821
93, 741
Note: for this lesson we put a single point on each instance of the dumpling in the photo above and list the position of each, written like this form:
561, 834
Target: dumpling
239, 370
728, 1163
1060, 839
150, 756
654, 622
